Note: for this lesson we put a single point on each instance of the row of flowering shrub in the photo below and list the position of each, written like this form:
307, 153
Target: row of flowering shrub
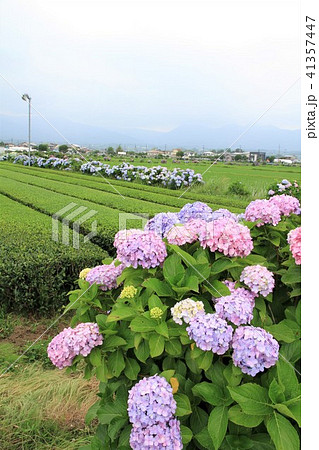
46, 163
194, 331
158, 175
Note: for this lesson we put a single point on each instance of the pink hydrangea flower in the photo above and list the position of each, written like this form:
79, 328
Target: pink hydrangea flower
180, 235
286, 204
72, 342
140, 248
105, 275
196, 227
259, 279
262, 212
228, 237
294, 241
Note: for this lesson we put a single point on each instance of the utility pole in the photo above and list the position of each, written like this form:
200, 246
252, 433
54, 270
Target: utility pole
27, 98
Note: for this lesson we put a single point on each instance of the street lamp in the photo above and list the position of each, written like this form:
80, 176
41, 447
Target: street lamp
27, 98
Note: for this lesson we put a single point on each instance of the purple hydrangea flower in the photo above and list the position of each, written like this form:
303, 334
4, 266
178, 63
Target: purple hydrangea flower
230, 284
140, 248
105, 275
259, 279
72, 342
254, 350
161, 223
160, 436
196, 210
236, 308
221, 212
210, 332
150, 402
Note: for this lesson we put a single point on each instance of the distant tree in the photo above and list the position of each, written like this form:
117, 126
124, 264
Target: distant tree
2, 144
43, 147
110, 151
271, 158
119, 149
180, 154
63, 148
240, 158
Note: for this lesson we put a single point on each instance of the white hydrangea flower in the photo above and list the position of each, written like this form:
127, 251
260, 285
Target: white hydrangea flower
186, 310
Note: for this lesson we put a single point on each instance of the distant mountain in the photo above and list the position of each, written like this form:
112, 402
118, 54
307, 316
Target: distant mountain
257, 137
16, 128
188, 135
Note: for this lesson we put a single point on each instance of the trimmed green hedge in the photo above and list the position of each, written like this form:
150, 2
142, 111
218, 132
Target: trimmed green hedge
49, 202
36, 272
109, 199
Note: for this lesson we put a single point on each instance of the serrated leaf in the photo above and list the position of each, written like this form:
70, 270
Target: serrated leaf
252, 398
198, 419
121, 313
142, 352
132, 369
183, 405
282, 433
217, 425
237, 416
162, 329
116, 363
209, 392
156, 343
186, 434
203, 437
161, 288
143, 324
275, 392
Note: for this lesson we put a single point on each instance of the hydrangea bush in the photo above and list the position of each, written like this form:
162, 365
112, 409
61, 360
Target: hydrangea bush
285, 187
193, 331
155, 176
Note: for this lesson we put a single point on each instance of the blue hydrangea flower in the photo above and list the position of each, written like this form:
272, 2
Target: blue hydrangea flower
161, 223
254, 350
196, 210
151, 402
210, 332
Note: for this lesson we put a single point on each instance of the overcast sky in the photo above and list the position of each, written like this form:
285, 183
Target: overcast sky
152, 64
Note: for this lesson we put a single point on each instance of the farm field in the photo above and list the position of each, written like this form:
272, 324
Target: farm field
40, 272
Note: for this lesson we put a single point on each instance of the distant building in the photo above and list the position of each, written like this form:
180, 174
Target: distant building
156, 152
121, 153
283, 161
257, 156
16, 148
174, 152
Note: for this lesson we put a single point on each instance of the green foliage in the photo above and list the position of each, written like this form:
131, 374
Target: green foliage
237, 188
43, 147
36, 272
218, 405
